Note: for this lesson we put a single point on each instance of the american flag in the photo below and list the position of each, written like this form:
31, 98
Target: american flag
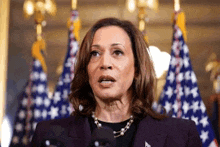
180, 96
32, 107
60, 106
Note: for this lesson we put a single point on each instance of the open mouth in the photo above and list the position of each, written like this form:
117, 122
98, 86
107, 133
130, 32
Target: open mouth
106, 79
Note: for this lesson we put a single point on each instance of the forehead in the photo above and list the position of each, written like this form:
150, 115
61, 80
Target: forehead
111, 34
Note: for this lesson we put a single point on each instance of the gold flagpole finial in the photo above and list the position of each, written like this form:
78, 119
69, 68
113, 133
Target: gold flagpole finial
176, 5
74, 4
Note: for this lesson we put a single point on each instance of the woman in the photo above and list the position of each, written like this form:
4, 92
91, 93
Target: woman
114, 86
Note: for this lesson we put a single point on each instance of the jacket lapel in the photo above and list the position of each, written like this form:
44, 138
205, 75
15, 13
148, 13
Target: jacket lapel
79, 131
149, 134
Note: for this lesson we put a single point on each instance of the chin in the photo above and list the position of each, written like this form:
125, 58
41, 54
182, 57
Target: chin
108, 96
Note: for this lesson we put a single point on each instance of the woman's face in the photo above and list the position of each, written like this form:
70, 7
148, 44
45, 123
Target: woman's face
111, 66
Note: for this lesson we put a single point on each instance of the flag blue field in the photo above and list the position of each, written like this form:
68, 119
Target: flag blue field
180, 96
32, 107
60, 106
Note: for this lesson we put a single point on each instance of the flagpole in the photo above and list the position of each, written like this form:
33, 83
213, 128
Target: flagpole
4, 25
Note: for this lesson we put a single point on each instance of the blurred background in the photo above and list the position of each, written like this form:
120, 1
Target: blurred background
203, 39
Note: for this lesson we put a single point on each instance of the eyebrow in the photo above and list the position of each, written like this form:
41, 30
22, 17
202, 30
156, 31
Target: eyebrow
114, 44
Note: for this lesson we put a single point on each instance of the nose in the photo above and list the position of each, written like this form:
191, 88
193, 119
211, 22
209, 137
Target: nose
106, 62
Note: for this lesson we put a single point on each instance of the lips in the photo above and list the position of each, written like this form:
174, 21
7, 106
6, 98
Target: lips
106, 79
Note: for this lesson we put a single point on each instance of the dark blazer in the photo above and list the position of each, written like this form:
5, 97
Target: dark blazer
169, 132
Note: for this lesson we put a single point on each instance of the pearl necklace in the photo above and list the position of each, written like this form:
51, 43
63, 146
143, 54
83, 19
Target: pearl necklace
116, 133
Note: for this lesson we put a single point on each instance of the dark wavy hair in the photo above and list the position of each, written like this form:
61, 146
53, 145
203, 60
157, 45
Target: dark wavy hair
144, 83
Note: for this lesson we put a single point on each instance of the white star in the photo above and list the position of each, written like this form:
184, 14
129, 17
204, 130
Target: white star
195, 119
21, 114
38, 101
44, 114
180, 90
34, 88
53, 112
194, 92
43, 76
187, 91
60, 83
37, 113
73, 62
202, 107
186, 61
179, 33
193, 77
204, 136
35, 76
185, 49
47, 102
67, 78
15, 140
180, 77
18, 127
37, 63
174, 115
185, 107
184, 117
180, 62
187, 75
175, 106
171, 76
68, 63
204, 121
173, 61
56, 97
70, 108
24, 102
175, 44
40, 88
25, 140
65, 94
74, 47
169, 92
167, 106
63, 111
195, 106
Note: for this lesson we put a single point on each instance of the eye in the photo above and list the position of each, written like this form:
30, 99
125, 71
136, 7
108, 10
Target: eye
94, 54
118, 52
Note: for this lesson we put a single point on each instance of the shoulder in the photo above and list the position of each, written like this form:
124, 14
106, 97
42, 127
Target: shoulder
178, 132
175, 125
176, 122
54, 128
61, 122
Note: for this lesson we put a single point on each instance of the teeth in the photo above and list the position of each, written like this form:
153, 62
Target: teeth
106, 81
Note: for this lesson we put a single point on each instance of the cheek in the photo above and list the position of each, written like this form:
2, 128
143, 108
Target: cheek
128, 68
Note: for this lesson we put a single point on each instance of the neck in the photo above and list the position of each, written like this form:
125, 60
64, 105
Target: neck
114, 110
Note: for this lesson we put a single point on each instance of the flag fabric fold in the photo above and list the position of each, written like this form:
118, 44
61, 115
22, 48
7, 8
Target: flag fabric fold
32, 108
180, 96
60, 106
